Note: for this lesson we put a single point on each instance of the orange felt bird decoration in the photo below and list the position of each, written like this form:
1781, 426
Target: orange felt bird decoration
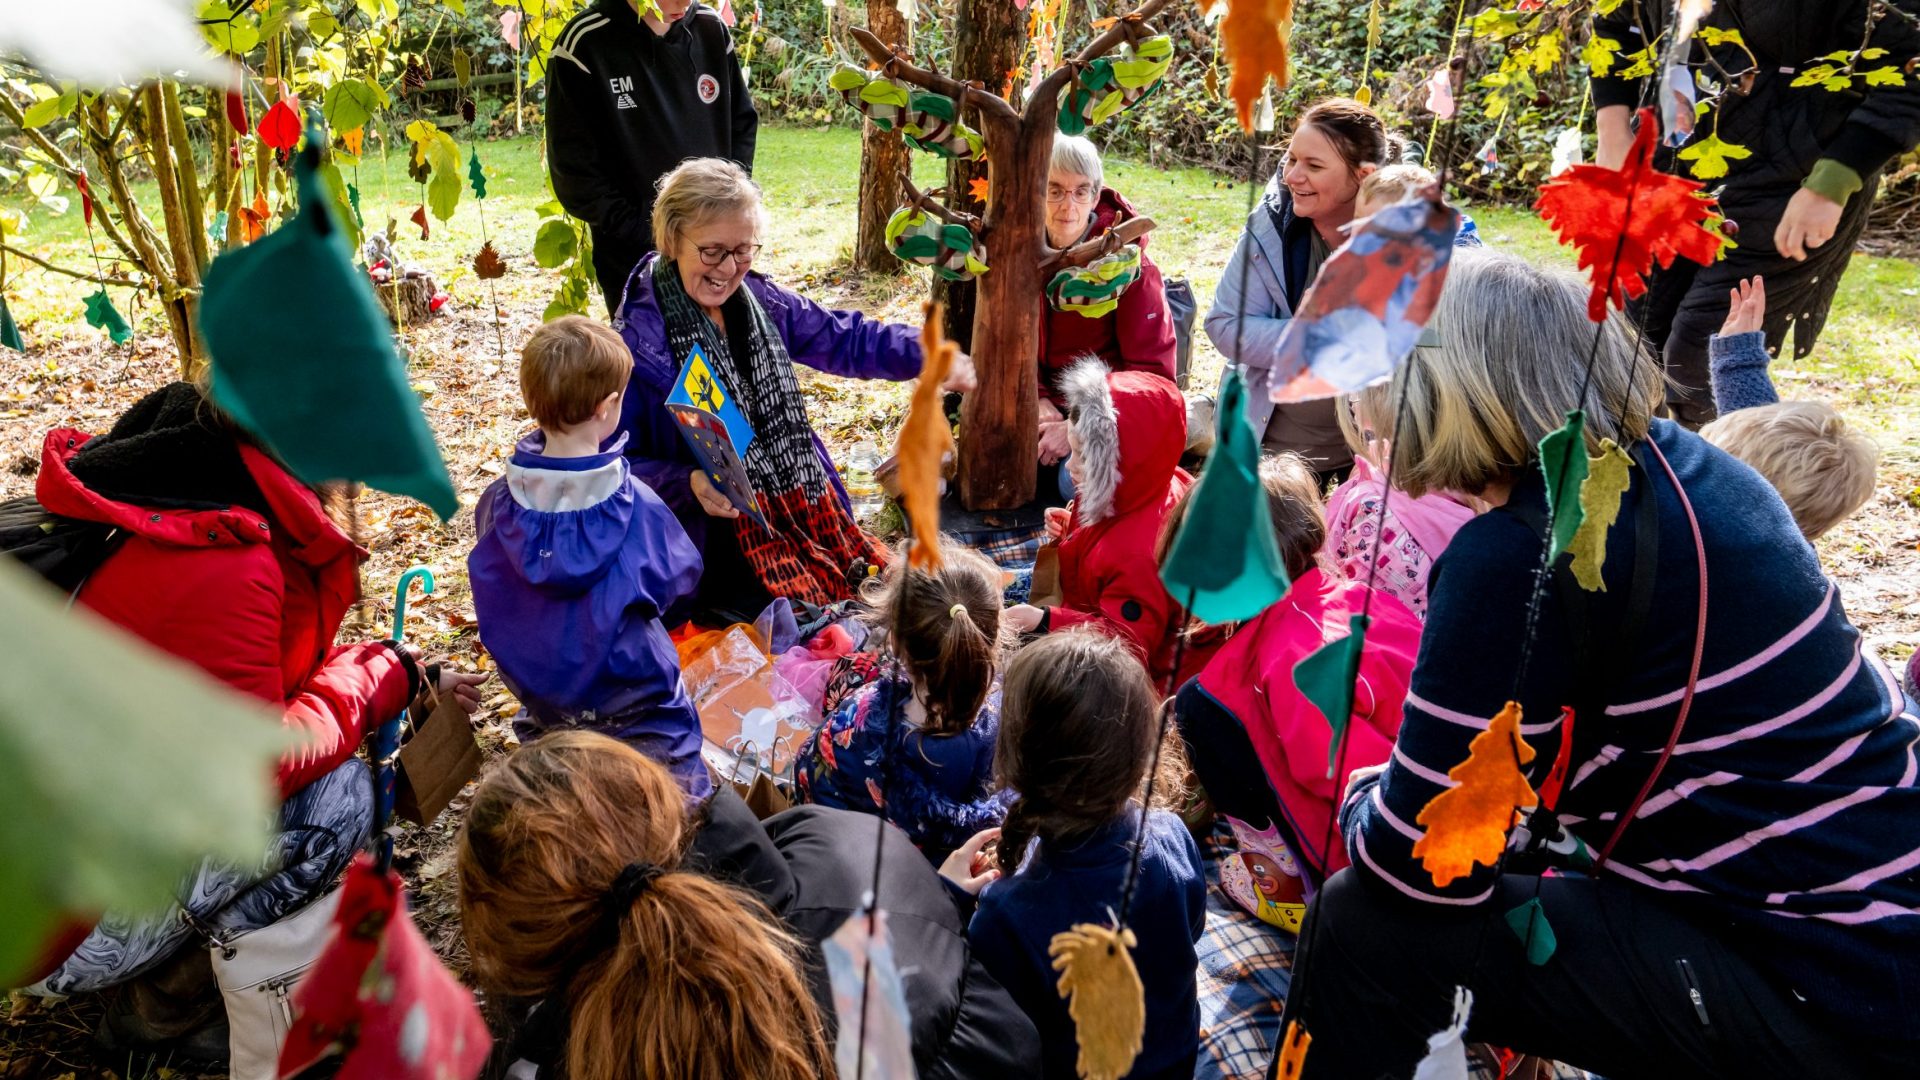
923, 445
1255, 34
1467, 823
1588, 207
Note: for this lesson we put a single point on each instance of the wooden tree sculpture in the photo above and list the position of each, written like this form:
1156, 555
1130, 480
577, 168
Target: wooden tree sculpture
999, 421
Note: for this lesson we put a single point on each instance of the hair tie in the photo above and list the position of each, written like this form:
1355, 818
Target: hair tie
956, 611
634, 879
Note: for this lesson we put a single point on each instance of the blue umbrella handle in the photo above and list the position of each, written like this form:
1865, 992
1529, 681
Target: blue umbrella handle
386, 742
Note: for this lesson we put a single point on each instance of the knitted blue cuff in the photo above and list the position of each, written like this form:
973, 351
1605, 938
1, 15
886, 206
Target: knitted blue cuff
1738, 365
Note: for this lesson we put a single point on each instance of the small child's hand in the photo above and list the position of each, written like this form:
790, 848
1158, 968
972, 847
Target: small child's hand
970, 867
1024, 618
1747, 307
714, 503
1057, 518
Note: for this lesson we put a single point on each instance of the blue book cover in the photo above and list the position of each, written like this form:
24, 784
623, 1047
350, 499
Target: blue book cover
704, 410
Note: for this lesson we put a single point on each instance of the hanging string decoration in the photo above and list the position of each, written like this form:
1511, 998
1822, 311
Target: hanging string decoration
1587, 207
950, 249
1094, 290
1109, 84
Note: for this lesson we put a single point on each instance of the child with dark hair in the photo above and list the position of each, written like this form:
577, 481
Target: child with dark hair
916, 744
1076, 734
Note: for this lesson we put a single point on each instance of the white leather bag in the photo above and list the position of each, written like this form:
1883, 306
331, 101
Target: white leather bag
256, 972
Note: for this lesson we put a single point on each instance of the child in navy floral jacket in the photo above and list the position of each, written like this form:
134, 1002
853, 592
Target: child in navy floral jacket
916, 743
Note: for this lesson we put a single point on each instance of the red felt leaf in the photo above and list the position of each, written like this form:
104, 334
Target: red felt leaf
280, 128
1588, 206
86, 197
237, 111
420, 218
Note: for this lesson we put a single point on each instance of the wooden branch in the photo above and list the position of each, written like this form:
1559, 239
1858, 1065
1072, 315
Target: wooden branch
1046, 96
191, 198
1098, 247
904, 69
927, 201
66, 165
99, 279
166, 175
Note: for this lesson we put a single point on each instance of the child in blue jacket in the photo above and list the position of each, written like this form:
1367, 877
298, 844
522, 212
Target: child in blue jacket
577, 560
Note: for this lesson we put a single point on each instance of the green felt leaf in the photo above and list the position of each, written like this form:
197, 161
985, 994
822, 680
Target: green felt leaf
1326, 677
462, 67
102, 315
1225, 558
1529, 923
476, 176
350, 104
554, 244
147, 772
1563, 463
353, 200
9, 333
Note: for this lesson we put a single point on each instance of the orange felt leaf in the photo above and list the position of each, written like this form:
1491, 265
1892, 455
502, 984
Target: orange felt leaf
1587, 205
253, 219
1293, 1051
420, 218
923, 444
1255, 35
1467, 823
978, 187
353, 140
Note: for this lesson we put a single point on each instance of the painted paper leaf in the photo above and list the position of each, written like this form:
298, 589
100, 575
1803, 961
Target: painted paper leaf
1365, 311
924, 442
1608, 477
9, 333
1677, 96
110, 807
883, 1044
488, 265
280, 128
1293, 1052
1563, 464
1440, 92
1326, 677
1446, 1057
1568, 151
1529, 923
1254, 35
476, 176
1587, 206
1226, 558
1467, 824
1104, 997
101, 315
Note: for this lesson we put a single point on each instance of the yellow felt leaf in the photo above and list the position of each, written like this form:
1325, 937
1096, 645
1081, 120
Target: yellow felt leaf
1255, 34
923, 444
1104, 997
354, 140
1293, 1051
1710, 156
1599, 53
1607, 480
1467, 823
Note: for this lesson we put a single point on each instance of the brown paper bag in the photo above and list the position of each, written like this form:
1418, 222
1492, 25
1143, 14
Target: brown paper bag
1045, 591
763, 796
435, 764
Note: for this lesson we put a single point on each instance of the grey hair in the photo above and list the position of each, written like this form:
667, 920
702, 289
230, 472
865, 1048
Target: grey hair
1510, 364
1076, 154
698, 192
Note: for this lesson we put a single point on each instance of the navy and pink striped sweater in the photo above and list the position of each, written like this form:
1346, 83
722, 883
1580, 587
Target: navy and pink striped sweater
1789, 813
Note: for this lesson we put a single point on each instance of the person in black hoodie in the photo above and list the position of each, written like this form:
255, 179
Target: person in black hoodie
579, 870
1801, 194
628, 98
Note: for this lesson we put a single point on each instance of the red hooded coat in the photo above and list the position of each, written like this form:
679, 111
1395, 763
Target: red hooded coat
1130, 427
1136, 336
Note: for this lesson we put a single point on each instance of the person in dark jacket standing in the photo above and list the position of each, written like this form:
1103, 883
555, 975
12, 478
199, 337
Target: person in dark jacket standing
1815, 147
629, 97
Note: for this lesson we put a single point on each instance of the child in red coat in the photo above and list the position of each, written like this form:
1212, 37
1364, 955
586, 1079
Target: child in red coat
1127, 430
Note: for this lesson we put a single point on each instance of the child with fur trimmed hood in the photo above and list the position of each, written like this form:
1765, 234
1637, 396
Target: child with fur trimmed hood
1127, 430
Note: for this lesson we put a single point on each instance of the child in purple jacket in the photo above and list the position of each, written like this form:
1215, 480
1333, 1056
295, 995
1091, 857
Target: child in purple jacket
577, 559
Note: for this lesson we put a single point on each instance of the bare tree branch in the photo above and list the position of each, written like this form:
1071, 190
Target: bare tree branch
929, 202
1097, 247
900, 67
1046, 96
99, 279
65, 164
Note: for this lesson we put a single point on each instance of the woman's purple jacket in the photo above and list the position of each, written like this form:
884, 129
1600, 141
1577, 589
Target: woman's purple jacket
844, 343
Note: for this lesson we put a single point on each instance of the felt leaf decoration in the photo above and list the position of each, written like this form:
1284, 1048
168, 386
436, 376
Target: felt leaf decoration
280, 128
1710, 156
1529, 923
1608, 477
353, 200
1440, 92
462, 67
1325, 678
978, 188
101, 315
1225, 560
1104, 997
353, 140
110, 807
86, 197
420, 218
9, 333
1446, 1057
476, 176
1588, 208
924, 442
237, 111
1713, 35
488, 264
862, 971
1563, 464
253, 218
1255, 37
1293, 1052
1467, 823
1557, 775
510, 29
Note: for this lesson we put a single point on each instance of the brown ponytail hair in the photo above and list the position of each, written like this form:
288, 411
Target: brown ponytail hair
691, 979
1078, 718
1355, 130
946, 626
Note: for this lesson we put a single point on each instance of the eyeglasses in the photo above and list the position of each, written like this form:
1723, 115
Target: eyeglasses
1082, 194
717, 254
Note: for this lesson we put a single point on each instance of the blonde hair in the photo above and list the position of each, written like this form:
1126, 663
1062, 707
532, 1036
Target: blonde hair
1822, 469
568, 367
1365, 420
1391, 184
1510, 364
691, 979
700, 191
